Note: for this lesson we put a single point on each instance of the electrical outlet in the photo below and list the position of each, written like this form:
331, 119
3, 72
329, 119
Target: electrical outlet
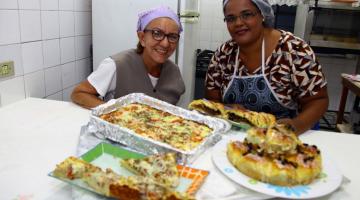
6, 69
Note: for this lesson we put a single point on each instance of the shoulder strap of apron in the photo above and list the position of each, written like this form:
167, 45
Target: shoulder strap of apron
263, 57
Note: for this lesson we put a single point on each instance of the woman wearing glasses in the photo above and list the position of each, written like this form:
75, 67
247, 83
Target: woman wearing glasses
267, 70
145, 69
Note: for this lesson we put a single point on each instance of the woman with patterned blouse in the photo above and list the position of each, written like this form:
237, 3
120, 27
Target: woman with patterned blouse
267, 70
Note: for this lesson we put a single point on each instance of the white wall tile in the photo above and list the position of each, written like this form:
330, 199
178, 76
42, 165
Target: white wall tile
30, 25
82, 46
204, 45
29, 4
205, 35
67, 23
216, 35
50, 24
67, 49
8, 4
83, 69
68, 75
57, 96
214, 45
13, 53
32, 56
12, 90
82, 23
35, 84
49, 4
66, 4
226, 35
82, 5
10, 20
51, 52
53, 80
67, 93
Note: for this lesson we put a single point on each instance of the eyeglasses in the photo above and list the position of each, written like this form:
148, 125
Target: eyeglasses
159, 35
244, 16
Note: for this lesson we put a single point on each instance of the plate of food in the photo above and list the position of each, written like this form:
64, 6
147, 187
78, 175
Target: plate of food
276, 164
118, 173
240, 118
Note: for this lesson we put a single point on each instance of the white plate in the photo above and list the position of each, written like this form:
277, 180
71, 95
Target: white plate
330, 178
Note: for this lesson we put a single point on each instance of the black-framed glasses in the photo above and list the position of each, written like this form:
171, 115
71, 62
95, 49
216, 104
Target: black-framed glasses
244, 16
159, 35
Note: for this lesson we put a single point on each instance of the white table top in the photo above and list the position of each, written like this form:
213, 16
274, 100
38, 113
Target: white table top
37, 134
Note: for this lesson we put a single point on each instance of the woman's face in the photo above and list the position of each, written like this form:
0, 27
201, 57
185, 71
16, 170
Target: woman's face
157, 50
244, 21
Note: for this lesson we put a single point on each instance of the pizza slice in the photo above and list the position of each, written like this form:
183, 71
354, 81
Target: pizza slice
74, 168
161, 167
208, 107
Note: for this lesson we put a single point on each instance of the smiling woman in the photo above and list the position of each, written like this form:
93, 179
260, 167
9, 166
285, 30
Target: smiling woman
146, 69
266, 70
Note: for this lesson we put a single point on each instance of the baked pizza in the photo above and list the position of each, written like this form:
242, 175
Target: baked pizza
208, 107
159, 125
255, 119
110, 184
275, 155
160, 167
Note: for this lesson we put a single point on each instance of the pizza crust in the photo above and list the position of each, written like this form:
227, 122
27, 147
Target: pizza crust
277, 166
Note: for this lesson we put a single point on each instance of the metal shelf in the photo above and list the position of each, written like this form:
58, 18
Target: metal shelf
334, 44
335, 5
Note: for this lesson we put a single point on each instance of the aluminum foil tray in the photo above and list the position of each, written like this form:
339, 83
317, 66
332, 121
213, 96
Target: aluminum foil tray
125, 136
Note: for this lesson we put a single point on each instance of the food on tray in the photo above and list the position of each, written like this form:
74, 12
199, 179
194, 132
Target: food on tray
73, 168
279, 139
159, 125
160, 167
255, 119
110, 184
208, 107
275, 155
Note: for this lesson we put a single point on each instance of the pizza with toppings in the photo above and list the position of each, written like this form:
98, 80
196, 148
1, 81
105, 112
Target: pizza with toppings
110, 184
275, 155
159, 125
160, 167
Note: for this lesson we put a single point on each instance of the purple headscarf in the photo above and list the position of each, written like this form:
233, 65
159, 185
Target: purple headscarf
147, 16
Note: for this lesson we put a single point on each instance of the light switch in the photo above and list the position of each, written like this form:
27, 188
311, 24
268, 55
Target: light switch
6, 69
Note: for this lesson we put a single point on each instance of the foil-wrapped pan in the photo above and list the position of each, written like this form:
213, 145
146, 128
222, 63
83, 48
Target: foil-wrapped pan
148, 146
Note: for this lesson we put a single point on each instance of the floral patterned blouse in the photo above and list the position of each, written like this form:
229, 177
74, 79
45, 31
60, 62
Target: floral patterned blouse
292, 69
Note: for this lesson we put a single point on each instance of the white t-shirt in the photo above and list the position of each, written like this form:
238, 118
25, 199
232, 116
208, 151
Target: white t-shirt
103, 79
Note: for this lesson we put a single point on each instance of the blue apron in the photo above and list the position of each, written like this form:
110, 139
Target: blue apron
255, 93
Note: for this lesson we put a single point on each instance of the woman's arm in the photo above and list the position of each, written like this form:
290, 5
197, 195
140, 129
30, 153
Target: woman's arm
86, 95
312, 109
213, 95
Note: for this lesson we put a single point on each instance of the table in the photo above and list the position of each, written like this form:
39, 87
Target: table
37, 134
347, 84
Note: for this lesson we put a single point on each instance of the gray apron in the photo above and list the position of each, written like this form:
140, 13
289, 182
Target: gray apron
255, 93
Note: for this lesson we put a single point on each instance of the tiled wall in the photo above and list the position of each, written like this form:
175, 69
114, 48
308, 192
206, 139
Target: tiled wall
213, 31
49, 42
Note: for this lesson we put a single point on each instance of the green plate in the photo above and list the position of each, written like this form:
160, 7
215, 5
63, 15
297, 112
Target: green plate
105, 155
240, 125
